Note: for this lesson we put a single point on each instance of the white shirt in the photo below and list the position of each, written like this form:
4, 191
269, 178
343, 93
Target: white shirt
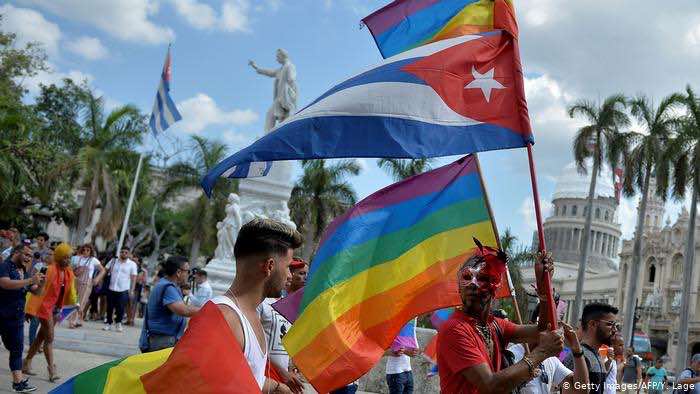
611, 379
275, 326
201, 294
121, 274
88, 262
398, 364
254, 355
554, 369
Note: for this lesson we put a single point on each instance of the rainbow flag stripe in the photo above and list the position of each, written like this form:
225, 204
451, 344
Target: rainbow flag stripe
118, 376
391, 257
406, 24
195, 365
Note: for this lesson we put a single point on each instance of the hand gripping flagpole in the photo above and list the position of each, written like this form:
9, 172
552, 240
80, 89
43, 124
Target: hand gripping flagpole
546, 282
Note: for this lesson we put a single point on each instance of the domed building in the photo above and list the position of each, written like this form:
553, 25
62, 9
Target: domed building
563, 235
563, 230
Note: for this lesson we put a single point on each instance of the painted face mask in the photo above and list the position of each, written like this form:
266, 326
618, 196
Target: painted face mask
486, 271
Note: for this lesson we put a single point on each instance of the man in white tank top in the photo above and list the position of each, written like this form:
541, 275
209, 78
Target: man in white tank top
263, 252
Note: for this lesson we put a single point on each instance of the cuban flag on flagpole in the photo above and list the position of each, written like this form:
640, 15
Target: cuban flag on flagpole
452, 97
164, 112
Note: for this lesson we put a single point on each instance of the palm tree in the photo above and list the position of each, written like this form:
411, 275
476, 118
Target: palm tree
601, 141
321, 194
682, 167
517, 257
401, 169
640, 165
186, 175
107, 144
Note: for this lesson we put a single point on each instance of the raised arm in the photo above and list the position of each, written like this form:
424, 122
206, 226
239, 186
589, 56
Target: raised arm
262, 71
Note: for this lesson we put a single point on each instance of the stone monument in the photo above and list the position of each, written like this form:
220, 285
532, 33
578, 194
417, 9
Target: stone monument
258, 197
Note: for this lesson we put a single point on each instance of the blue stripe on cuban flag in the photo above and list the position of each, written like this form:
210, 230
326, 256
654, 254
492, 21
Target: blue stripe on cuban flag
164, 112
381, 112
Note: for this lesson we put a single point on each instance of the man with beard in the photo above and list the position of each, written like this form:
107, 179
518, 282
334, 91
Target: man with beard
276, 326
471, 342
599, 327
263, 252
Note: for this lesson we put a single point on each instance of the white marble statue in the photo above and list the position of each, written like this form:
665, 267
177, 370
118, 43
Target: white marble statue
676, 303
227, 230
285, 89
653, 300
222, 268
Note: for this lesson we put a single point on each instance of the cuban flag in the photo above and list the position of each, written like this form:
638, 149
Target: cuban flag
164, 112
452, 97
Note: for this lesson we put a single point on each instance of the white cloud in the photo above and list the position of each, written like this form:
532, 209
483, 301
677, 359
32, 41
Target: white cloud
199, 15
201, 111
234, 15
53, 77
527, 210
236, 140
90, 48
30, 25
692, 37
127, 20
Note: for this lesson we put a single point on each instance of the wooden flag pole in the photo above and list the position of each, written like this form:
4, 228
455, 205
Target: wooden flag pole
511, 290
547, 280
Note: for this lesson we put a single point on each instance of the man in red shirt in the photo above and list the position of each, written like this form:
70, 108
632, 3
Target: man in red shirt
471, 342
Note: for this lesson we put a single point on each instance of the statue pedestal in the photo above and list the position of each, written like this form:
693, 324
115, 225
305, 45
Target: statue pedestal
264, 196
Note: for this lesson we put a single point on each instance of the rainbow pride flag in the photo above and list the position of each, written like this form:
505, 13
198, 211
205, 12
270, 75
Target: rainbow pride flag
392, 257
196, 364
407, 337
407, 24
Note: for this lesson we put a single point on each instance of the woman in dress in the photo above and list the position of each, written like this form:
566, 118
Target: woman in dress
58, 291
84, 265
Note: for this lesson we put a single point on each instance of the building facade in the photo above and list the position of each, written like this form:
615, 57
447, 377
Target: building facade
563, 235
660, 281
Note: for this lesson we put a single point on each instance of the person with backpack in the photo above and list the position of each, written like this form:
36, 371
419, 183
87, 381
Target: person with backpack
688, 381
164, 322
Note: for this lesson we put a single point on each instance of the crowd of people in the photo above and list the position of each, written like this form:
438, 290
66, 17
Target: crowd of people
43, 283
479, 350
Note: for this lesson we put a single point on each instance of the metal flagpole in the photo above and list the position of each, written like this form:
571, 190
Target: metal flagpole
125, 224
547, 282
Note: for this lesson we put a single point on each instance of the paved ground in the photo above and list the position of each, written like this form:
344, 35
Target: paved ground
76, 351
69, 363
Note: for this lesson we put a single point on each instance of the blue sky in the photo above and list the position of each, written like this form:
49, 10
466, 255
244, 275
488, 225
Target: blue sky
569, 51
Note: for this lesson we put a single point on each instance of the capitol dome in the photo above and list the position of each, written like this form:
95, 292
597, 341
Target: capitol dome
572, 184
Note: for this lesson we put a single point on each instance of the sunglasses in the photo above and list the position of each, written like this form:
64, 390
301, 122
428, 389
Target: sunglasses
615, 325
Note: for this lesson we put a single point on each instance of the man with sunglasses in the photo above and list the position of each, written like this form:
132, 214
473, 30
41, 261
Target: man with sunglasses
164, 321
599, 327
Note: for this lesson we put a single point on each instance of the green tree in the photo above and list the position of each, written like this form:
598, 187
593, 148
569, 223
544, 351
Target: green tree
321, 194
204, 213
601, 141
107, 145
518, 256
641, 163
401, 169
16, 64
682, 167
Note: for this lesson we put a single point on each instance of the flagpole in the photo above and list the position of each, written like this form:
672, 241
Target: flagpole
547, 282
132, 194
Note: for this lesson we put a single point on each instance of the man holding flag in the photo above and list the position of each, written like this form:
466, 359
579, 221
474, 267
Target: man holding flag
471, 343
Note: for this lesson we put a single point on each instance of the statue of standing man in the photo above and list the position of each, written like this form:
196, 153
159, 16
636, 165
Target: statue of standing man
285, 92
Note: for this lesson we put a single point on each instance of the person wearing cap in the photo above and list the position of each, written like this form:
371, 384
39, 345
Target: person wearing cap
299, 269
58, 290
689, 379
202, 291
14, 238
